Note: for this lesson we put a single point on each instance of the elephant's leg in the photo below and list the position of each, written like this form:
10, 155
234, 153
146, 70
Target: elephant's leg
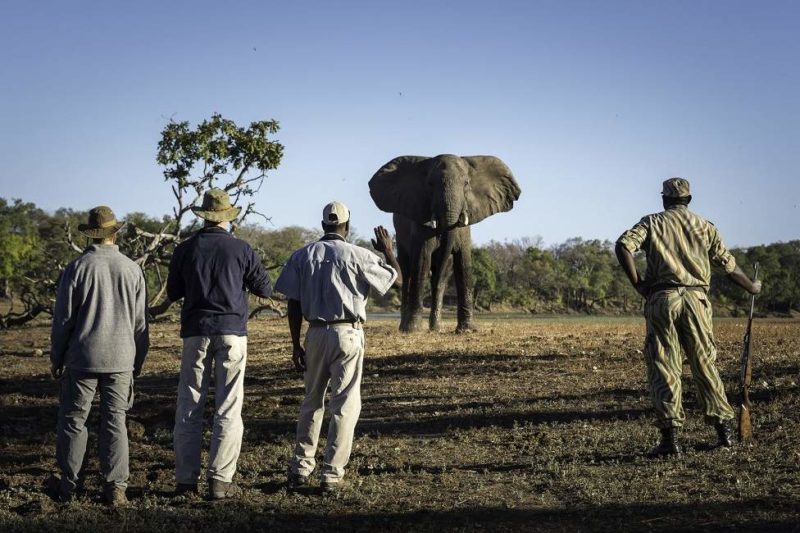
440, 274
420, 265
462, 268
404, 260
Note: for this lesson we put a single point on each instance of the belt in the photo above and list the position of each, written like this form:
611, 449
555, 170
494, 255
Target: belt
356, 324
667, 287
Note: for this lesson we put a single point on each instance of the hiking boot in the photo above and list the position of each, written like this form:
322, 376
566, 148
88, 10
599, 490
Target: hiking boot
61, 490
115, 496
669, 445
295, 481
330, 488
724, 434
64, 494
186, 489
222, 490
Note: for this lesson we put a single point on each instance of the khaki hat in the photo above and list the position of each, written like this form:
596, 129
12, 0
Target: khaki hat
335, 213
675, 188
102, 223
216, 207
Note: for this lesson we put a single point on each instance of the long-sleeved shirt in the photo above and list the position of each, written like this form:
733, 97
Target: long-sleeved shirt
680, 248
211, 272
331, 279
99, 322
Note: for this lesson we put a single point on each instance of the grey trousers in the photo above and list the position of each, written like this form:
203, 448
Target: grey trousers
116, 397
228, 355
335, 356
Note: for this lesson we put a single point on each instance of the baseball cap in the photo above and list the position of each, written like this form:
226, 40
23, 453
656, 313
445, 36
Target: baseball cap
335, 213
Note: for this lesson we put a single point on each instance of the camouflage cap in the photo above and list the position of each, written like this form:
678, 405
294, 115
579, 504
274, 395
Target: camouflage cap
335, 213
675, 188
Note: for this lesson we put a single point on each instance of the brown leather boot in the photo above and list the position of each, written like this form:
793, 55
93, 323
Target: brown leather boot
221, 490
115, 496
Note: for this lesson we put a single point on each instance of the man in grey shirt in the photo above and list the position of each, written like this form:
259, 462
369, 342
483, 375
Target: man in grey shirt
327, 283
99, 340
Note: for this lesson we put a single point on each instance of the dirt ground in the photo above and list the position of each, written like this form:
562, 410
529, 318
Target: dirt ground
524, 425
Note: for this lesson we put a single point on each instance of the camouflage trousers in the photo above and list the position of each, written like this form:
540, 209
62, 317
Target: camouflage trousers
681, 318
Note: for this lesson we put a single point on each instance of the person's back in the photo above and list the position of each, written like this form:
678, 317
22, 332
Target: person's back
334, 277
211, 271
680, 247
105, 318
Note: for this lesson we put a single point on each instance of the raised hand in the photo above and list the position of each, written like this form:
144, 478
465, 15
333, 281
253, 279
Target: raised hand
382, 241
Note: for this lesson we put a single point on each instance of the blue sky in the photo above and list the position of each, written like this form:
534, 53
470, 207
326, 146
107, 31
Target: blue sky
591, 104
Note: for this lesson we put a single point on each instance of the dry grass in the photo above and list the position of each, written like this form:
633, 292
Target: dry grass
527, 424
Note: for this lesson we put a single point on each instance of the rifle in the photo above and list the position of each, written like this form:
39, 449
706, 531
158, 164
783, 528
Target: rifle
745, 426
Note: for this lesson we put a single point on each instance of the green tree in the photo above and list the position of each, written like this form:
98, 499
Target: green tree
484, 271
18, 240
216, 153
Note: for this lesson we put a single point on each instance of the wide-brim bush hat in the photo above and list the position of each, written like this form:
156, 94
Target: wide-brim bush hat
101, 224
217, 207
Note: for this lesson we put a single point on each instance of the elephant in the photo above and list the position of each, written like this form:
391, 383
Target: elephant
434, 200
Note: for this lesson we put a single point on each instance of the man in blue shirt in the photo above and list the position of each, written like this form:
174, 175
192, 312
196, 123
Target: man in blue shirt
212, 271
327, 283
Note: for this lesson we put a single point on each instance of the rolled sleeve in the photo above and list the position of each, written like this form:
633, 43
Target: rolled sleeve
633, 239
288, 282
377, 273
718, 254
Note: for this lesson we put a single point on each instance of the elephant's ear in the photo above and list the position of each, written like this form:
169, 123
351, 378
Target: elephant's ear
400, 186
492, 187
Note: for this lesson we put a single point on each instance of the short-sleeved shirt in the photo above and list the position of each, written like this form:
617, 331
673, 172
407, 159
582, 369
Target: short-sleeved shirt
680, 248
331, 279
211, 271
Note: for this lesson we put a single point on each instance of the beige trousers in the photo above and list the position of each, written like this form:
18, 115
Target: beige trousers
334, 356
228, 355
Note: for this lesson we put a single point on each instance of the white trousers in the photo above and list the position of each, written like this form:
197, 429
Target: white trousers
335, 356
228, 354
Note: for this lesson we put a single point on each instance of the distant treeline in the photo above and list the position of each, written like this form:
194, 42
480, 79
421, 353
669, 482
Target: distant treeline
575, 276
583, 275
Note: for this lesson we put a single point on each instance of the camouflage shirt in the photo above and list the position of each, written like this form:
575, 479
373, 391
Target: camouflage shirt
680, 247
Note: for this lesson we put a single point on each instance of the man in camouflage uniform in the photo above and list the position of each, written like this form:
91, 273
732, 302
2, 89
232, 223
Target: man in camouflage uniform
680, 247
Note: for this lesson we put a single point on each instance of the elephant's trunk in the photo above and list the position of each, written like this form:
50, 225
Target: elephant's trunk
452, 216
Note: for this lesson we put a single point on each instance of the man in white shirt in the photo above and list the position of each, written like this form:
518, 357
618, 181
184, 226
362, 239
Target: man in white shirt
327, 283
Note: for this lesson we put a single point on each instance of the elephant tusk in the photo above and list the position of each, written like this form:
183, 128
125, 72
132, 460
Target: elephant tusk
464, 219
431, 224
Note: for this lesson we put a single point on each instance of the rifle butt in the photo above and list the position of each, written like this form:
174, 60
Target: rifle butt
745, 425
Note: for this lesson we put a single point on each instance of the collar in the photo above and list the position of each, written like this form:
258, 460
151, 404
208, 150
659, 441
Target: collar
214, 229
102, 248
333, 237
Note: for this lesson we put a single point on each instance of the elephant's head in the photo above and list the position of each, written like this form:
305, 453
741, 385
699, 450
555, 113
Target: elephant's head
444, 191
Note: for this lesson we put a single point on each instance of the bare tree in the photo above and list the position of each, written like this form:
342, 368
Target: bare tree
216, 153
